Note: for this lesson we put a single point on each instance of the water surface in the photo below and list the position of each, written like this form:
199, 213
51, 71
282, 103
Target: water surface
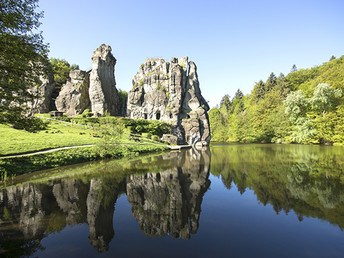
229, 200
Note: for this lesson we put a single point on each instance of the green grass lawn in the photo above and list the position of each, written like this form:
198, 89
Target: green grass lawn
13, 141
58, 134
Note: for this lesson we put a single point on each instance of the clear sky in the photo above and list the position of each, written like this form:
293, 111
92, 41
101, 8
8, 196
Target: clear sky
234, 43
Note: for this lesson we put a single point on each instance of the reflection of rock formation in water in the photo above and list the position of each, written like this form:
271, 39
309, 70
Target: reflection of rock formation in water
24, 208
28, 212
170, 201
100, 209
71, 197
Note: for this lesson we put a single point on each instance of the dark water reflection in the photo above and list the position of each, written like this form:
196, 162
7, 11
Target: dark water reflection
273, 199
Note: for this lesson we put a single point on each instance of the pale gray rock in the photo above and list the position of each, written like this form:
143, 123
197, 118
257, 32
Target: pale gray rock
42, 100
103, 93
73, 98
170, 138
170, 92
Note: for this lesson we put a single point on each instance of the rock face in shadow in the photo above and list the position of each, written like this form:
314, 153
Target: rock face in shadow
41, 103
103, 93
73, 98
170, 201
170, 92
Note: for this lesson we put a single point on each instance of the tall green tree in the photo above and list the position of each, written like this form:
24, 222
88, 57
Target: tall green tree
324, 97
296, 104
271, 82
238, 94
258, 91
225, 102
23, 54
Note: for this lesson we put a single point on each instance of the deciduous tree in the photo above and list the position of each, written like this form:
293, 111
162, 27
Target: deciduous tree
22, 51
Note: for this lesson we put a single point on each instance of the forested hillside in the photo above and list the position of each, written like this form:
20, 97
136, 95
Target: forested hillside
306, 106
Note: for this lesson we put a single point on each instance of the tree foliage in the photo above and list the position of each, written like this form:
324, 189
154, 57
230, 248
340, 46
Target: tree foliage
324, 97
23, 55
306, 106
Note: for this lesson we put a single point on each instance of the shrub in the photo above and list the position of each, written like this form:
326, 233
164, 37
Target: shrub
87, 113
30, 124
155, 138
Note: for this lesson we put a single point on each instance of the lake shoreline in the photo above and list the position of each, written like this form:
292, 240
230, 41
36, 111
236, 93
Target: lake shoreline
14, 166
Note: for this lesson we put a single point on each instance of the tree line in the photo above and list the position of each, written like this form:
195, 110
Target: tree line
306, 106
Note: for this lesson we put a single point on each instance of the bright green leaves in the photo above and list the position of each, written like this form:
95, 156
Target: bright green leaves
324, 97
308, 114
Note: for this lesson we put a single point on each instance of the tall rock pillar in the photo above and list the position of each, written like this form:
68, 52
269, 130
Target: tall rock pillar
103, 93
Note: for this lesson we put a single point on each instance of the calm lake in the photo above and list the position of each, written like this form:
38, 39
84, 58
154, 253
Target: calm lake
224, 201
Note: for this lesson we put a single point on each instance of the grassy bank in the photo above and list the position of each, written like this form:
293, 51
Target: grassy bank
103, 135
20, 165
57, 134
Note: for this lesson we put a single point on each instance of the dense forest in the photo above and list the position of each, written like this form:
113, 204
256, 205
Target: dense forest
306, 106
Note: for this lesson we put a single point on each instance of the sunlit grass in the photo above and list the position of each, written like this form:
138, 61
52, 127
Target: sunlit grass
58, 134
13, 141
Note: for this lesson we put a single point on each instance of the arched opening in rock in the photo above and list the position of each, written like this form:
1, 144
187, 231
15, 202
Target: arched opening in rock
145, 115
158, 115
171, 116
187, 116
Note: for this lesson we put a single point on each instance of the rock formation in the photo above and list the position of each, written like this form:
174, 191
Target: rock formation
170, 201
42, 100
103, 92
73, 98
170, 92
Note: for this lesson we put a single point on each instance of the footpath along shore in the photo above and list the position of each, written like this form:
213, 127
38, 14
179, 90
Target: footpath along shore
174, 147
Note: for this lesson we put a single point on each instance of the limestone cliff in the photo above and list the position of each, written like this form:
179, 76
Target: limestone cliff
103, 93
170, 92
73, 98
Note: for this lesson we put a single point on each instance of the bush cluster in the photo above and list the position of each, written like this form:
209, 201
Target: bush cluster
22, 122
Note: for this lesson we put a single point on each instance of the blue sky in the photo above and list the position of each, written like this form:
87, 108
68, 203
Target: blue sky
233, 43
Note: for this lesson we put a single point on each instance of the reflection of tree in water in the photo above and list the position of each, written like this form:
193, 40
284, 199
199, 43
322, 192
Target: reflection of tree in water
170, 201
306, 179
